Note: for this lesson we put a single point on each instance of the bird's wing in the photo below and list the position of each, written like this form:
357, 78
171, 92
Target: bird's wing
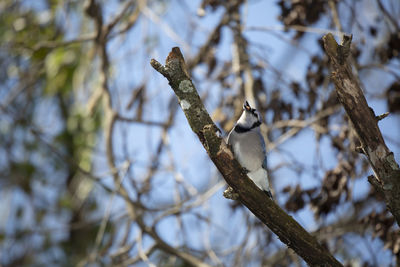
264, 165
230, 138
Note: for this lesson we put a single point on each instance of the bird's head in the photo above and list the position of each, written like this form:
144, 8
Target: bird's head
250, 117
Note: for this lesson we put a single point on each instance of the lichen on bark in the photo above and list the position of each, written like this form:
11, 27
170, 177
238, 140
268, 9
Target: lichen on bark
365, 124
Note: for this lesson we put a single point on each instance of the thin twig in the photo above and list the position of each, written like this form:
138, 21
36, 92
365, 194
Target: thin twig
299, 28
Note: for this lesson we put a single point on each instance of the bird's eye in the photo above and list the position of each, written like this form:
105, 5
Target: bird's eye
246, 106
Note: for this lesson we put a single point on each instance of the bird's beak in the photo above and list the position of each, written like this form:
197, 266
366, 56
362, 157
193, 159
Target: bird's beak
246, 106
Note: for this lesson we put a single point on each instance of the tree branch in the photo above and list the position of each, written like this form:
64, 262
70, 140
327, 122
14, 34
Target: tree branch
284, 226
365, 123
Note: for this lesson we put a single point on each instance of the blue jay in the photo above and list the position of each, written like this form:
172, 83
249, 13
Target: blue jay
248, 147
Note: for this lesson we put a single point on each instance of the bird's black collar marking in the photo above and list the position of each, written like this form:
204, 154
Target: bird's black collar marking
241, 129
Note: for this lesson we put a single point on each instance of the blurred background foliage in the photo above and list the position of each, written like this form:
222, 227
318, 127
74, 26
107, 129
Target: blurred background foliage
98, 166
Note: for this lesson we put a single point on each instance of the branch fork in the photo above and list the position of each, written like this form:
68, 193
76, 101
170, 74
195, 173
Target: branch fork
284, 226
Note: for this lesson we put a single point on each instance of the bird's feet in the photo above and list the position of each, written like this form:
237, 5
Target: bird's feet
229, 193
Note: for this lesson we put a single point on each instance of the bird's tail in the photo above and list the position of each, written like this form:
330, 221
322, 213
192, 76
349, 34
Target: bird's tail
260, 178
268, 193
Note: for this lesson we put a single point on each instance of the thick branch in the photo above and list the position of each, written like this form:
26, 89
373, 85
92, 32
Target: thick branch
283, 225
365, 124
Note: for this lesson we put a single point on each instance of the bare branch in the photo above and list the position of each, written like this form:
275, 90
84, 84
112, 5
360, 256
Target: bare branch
365, 124
159, 67
298, 28
288, 230
382, 116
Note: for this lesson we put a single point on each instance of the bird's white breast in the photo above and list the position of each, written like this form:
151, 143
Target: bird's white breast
248, 150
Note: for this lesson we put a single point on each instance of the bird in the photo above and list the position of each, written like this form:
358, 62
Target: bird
248, 147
